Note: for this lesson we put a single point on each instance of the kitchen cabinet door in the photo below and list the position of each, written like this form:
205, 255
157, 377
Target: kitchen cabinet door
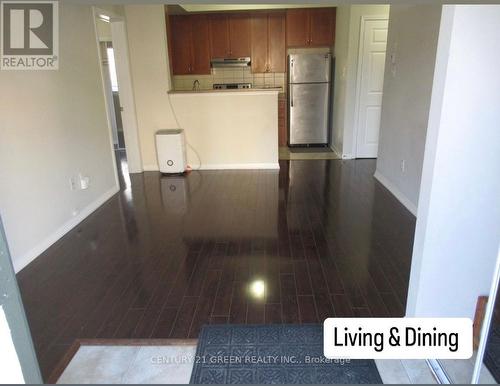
181, 44
200, 45
239, 36
282, 127
259, 37
297, 27
219, 36
276, 39
322, 26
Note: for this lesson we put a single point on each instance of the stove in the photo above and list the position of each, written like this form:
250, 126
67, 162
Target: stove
230, 86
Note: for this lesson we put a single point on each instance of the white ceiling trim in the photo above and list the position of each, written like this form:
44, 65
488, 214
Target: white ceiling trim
245, 7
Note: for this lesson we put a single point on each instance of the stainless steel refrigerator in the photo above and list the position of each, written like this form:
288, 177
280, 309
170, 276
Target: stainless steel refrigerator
309, 91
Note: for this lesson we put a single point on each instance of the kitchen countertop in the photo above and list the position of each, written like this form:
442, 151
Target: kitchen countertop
245, 90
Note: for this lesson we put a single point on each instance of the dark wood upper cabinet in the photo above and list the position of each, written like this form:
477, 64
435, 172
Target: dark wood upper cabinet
260, 47
219, 36
180, 27
268, 42
229, 35
196, 39
277, 46
311, 27
297, 27
239, 36
189, 44
322, 26
200, 44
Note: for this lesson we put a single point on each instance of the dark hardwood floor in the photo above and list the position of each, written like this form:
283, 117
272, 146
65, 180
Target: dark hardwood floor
169, 254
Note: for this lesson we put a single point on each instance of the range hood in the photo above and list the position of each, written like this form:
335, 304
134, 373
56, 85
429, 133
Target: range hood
231, 62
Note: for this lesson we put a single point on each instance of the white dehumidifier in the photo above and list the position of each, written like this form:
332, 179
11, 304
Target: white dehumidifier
171, 151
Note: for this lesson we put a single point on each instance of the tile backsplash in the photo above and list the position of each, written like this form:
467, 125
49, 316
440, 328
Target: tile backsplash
230, 75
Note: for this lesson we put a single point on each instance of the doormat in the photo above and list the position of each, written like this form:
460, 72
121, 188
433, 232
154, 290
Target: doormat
492, 353
228, 354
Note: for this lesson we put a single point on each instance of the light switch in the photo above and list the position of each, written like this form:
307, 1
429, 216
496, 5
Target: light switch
84, 181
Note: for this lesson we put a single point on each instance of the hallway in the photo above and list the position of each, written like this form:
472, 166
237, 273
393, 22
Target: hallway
169, 254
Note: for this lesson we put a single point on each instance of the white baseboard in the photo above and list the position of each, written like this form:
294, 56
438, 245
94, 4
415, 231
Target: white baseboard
336, 151
273, 166
150, 168
154, 168
396, 193
33, 253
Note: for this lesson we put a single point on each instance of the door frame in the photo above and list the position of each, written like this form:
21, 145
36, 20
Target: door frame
361, 44
12, 304
129, 115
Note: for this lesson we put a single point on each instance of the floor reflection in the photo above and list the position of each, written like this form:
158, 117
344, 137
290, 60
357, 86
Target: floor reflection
169, 254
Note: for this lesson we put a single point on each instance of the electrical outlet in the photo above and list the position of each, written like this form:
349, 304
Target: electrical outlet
72, 183
403, 166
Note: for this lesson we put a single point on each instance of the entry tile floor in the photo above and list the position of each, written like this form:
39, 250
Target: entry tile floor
130, 364
173, 365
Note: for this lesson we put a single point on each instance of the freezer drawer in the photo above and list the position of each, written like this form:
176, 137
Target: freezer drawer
309, 68
308, 111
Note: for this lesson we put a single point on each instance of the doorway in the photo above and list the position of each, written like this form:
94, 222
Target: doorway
118, 92
371, 67
113, 97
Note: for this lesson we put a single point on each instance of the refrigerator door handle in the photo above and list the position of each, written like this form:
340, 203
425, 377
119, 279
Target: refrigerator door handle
291, 69
291, 95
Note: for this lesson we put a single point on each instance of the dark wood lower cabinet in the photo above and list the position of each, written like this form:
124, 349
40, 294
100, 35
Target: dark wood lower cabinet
282, 126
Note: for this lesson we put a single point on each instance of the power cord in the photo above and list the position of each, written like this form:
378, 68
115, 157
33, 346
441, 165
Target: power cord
185, 136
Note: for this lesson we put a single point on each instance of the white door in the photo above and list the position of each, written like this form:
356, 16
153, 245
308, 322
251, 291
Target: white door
371, 63
129, 118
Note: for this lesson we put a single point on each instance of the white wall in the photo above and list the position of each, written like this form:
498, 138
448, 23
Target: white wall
412, 40
457, 234
150, 75
347, 32
230, 129
341, 51
53, 126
